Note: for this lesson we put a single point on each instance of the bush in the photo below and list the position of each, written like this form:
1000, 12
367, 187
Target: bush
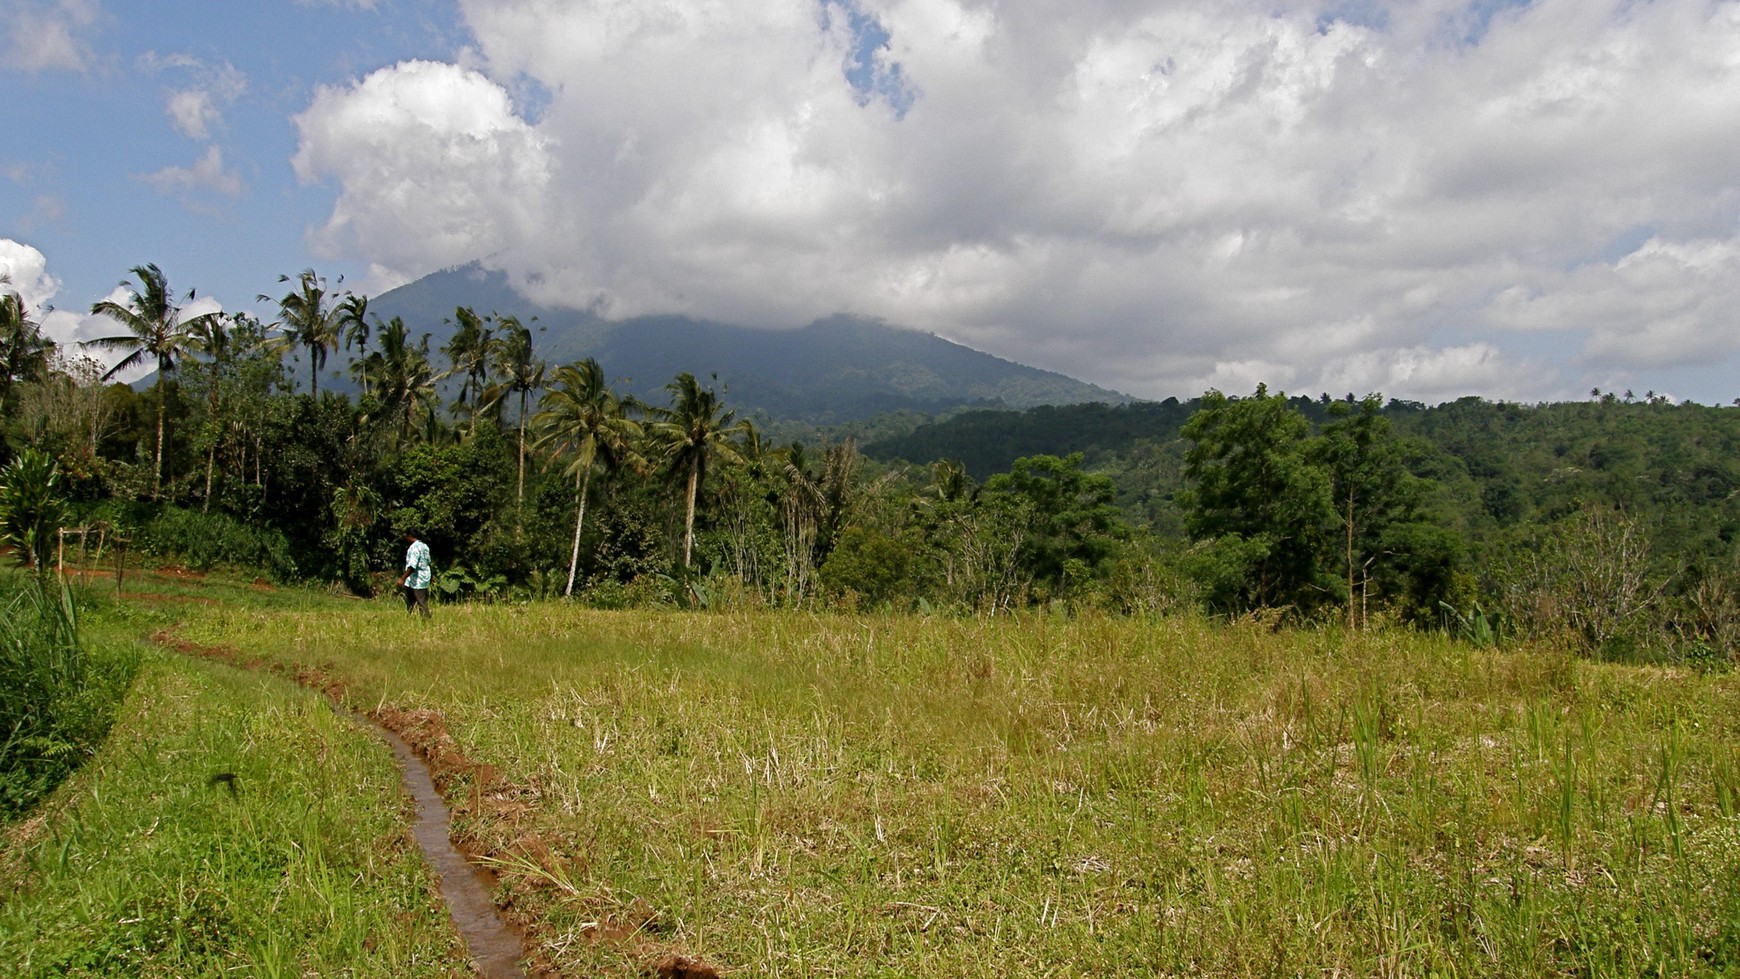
57, 699
206, 540
32, 510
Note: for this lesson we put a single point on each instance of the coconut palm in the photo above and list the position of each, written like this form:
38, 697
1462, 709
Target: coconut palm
520, 372
695, 429
313, 317
155, 330
353, 317
468, 351
581, 420
402, 378
24, 351
213, 339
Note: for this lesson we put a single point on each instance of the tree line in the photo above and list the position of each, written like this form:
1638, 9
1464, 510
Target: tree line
534, 479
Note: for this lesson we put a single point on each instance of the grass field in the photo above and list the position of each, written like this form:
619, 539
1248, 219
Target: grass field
793, 795
233, 824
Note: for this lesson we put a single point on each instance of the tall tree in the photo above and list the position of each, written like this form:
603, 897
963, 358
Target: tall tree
155, 330
1260, 501
582, 421
468, 352
402, 378
518, 371
1368, 484
24, 351
691, 432
353, 313
312, 317
214, 340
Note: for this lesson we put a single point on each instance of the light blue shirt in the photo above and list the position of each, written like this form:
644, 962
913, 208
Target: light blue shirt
417, 562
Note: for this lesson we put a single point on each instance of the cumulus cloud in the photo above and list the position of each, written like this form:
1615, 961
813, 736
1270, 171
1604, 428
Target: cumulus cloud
44, 35
25, 272
1159, 199
433, 167
27, 269
208, 174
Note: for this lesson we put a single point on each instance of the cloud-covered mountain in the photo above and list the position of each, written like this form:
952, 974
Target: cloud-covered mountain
835, 369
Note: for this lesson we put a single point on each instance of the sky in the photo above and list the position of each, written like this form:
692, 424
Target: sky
1425, 199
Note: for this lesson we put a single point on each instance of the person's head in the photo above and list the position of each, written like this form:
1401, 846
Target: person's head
410, 536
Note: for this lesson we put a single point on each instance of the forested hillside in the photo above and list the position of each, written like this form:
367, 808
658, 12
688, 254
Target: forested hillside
1609, 524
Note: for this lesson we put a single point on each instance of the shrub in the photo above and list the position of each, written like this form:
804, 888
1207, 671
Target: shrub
32, 510
206, 540
57, 698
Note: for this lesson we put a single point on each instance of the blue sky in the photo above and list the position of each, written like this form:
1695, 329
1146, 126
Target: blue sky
1424, 198
89, 175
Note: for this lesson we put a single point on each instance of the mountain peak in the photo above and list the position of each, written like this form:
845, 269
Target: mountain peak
837, 368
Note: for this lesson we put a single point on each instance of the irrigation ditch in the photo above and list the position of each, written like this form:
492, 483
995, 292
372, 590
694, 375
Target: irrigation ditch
502, 943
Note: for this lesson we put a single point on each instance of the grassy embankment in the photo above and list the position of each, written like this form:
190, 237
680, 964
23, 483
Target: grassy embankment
785, 795
232, 824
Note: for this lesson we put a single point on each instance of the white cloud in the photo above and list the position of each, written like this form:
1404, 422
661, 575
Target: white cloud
1154, 197
44, 35
433, 165
26, 272
207, 174
196, 111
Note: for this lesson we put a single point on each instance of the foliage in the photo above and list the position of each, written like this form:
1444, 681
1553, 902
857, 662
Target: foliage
213, 540
1073, 527
32, 508
689, 434
872, 566
313, 317
25, 353
58, 696
156, 331
1255, 492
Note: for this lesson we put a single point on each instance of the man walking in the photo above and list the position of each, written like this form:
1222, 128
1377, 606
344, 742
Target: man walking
416, 579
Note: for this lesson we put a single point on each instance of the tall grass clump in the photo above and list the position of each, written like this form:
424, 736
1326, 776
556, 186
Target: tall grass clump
57, 696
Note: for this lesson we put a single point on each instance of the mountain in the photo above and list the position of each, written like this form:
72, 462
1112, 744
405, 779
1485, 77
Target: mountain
834, 370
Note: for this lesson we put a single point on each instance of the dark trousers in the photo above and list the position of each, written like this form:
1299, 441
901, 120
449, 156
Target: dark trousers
417, 599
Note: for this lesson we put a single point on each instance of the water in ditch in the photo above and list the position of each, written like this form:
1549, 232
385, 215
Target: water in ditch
495, 948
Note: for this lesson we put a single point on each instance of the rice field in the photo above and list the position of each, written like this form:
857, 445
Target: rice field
780, 794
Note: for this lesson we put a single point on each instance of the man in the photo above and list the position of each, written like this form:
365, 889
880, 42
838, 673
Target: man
416, 578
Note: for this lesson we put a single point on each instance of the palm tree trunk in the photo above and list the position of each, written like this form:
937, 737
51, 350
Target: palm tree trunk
521, 498
585, 482
689, 521
157, 480
210, 464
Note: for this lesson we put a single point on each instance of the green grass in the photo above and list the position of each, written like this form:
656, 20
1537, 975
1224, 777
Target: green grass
790, 795
143, 865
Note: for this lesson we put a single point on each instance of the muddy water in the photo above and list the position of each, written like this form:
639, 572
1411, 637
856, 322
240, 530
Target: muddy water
495, 948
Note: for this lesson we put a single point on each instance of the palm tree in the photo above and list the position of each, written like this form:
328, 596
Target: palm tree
695, 429
582, 419
468, 351
352, 314
310, 318
24, 351
401, 374
212, 338
520, 373
155, 330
